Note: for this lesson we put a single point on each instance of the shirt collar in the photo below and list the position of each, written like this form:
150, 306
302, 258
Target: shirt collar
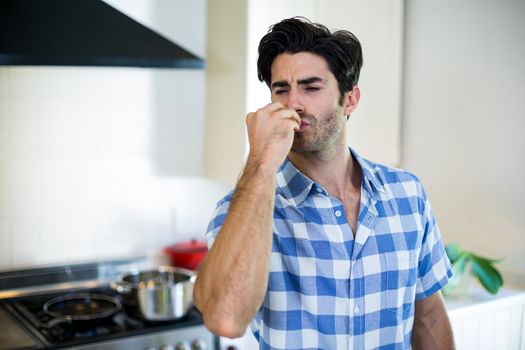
372, 176
295, 186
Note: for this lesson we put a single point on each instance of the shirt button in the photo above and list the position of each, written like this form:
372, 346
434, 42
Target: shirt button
338, 213
319, 189
356, 310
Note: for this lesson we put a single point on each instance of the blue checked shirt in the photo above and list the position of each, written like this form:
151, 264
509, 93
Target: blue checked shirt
327, 290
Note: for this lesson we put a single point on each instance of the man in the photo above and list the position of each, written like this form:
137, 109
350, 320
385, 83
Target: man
318, 248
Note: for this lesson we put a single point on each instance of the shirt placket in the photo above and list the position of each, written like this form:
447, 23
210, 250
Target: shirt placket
356, 307
366, 221
340, 219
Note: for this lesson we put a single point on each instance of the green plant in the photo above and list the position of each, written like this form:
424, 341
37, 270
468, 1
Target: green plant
483, 268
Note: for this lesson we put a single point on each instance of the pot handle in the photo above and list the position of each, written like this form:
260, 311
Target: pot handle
120, 287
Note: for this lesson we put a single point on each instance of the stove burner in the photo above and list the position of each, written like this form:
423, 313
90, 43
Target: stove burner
121, 324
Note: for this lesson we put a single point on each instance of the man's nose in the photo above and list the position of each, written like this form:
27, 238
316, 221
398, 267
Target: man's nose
294, 101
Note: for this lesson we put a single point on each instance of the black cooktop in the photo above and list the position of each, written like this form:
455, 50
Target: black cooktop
29, 310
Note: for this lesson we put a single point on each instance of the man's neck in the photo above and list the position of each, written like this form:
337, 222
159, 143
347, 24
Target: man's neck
337, 171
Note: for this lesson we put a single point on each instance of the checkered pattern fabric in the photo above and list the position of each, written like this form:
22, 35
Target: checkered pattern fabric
329, 290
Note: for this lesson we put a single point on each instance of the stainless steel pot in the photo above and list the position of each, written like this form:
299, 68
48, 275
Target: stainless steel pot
162, 294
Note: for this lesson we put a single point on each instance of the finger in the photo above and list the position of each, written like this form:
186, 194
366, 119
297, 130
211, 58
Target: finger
288, 113
296, 126
272, 107
294, 123
249, 117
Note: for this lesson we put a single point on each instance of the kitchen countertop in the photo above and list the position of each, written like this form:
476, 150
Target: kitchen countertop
478, 297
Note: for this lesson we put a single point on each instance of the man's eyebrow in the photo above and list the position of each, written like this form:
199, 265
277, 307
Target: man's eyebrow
278, 84
309, 81
306, 81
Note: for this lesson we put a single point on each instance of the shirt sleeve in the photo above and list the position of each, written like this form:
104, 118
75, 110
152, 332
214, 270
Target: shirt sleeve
434, 269
217, 219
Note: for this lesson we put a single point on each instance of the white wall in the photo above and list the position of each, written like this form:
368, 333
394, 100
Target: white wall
94, 161
464, 120
226, 89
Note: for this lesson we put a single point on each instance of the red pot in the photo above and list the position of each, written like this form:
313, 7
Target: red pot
188, 254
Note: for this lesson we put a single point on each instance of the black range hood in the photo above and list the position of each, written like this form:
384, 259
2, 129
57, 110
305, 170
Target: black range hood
82, 33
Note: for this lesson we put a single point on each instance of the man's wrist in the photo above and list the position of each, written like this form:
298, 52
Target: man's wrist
257, 176
264, 166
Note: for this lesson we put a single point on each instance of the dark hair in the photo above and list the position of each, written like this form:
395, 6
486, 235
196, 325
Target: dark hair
341, 49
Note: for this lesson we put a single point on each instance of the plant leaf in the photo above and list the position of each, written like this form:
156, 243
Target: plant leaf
454, 251
459, 266
489, 277
488, 261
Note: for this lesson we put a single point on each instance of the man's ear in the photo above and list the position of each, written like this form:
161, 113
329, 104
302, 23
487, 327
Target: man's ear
351, 100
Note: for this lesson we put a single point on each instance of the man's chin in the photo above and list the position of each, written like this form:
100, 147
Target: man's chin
302, 147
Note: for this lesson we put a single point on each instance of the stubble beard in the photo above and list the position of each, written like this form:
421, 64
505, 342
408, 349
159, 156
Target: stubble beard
319, 138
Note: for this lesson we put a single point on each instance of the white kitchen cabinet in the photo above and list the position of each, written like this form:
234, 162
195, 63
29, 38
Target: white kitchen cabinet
482, 321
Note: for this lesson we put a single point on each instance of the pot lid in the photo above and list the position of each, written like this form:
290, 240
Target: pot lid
192, 246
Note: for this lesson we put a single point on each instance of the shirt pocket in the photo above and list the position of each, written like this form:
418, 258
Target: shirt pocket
400, 269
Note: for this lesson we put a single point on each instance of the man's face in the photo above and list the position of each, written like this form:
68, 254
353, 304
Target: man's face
303, 82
